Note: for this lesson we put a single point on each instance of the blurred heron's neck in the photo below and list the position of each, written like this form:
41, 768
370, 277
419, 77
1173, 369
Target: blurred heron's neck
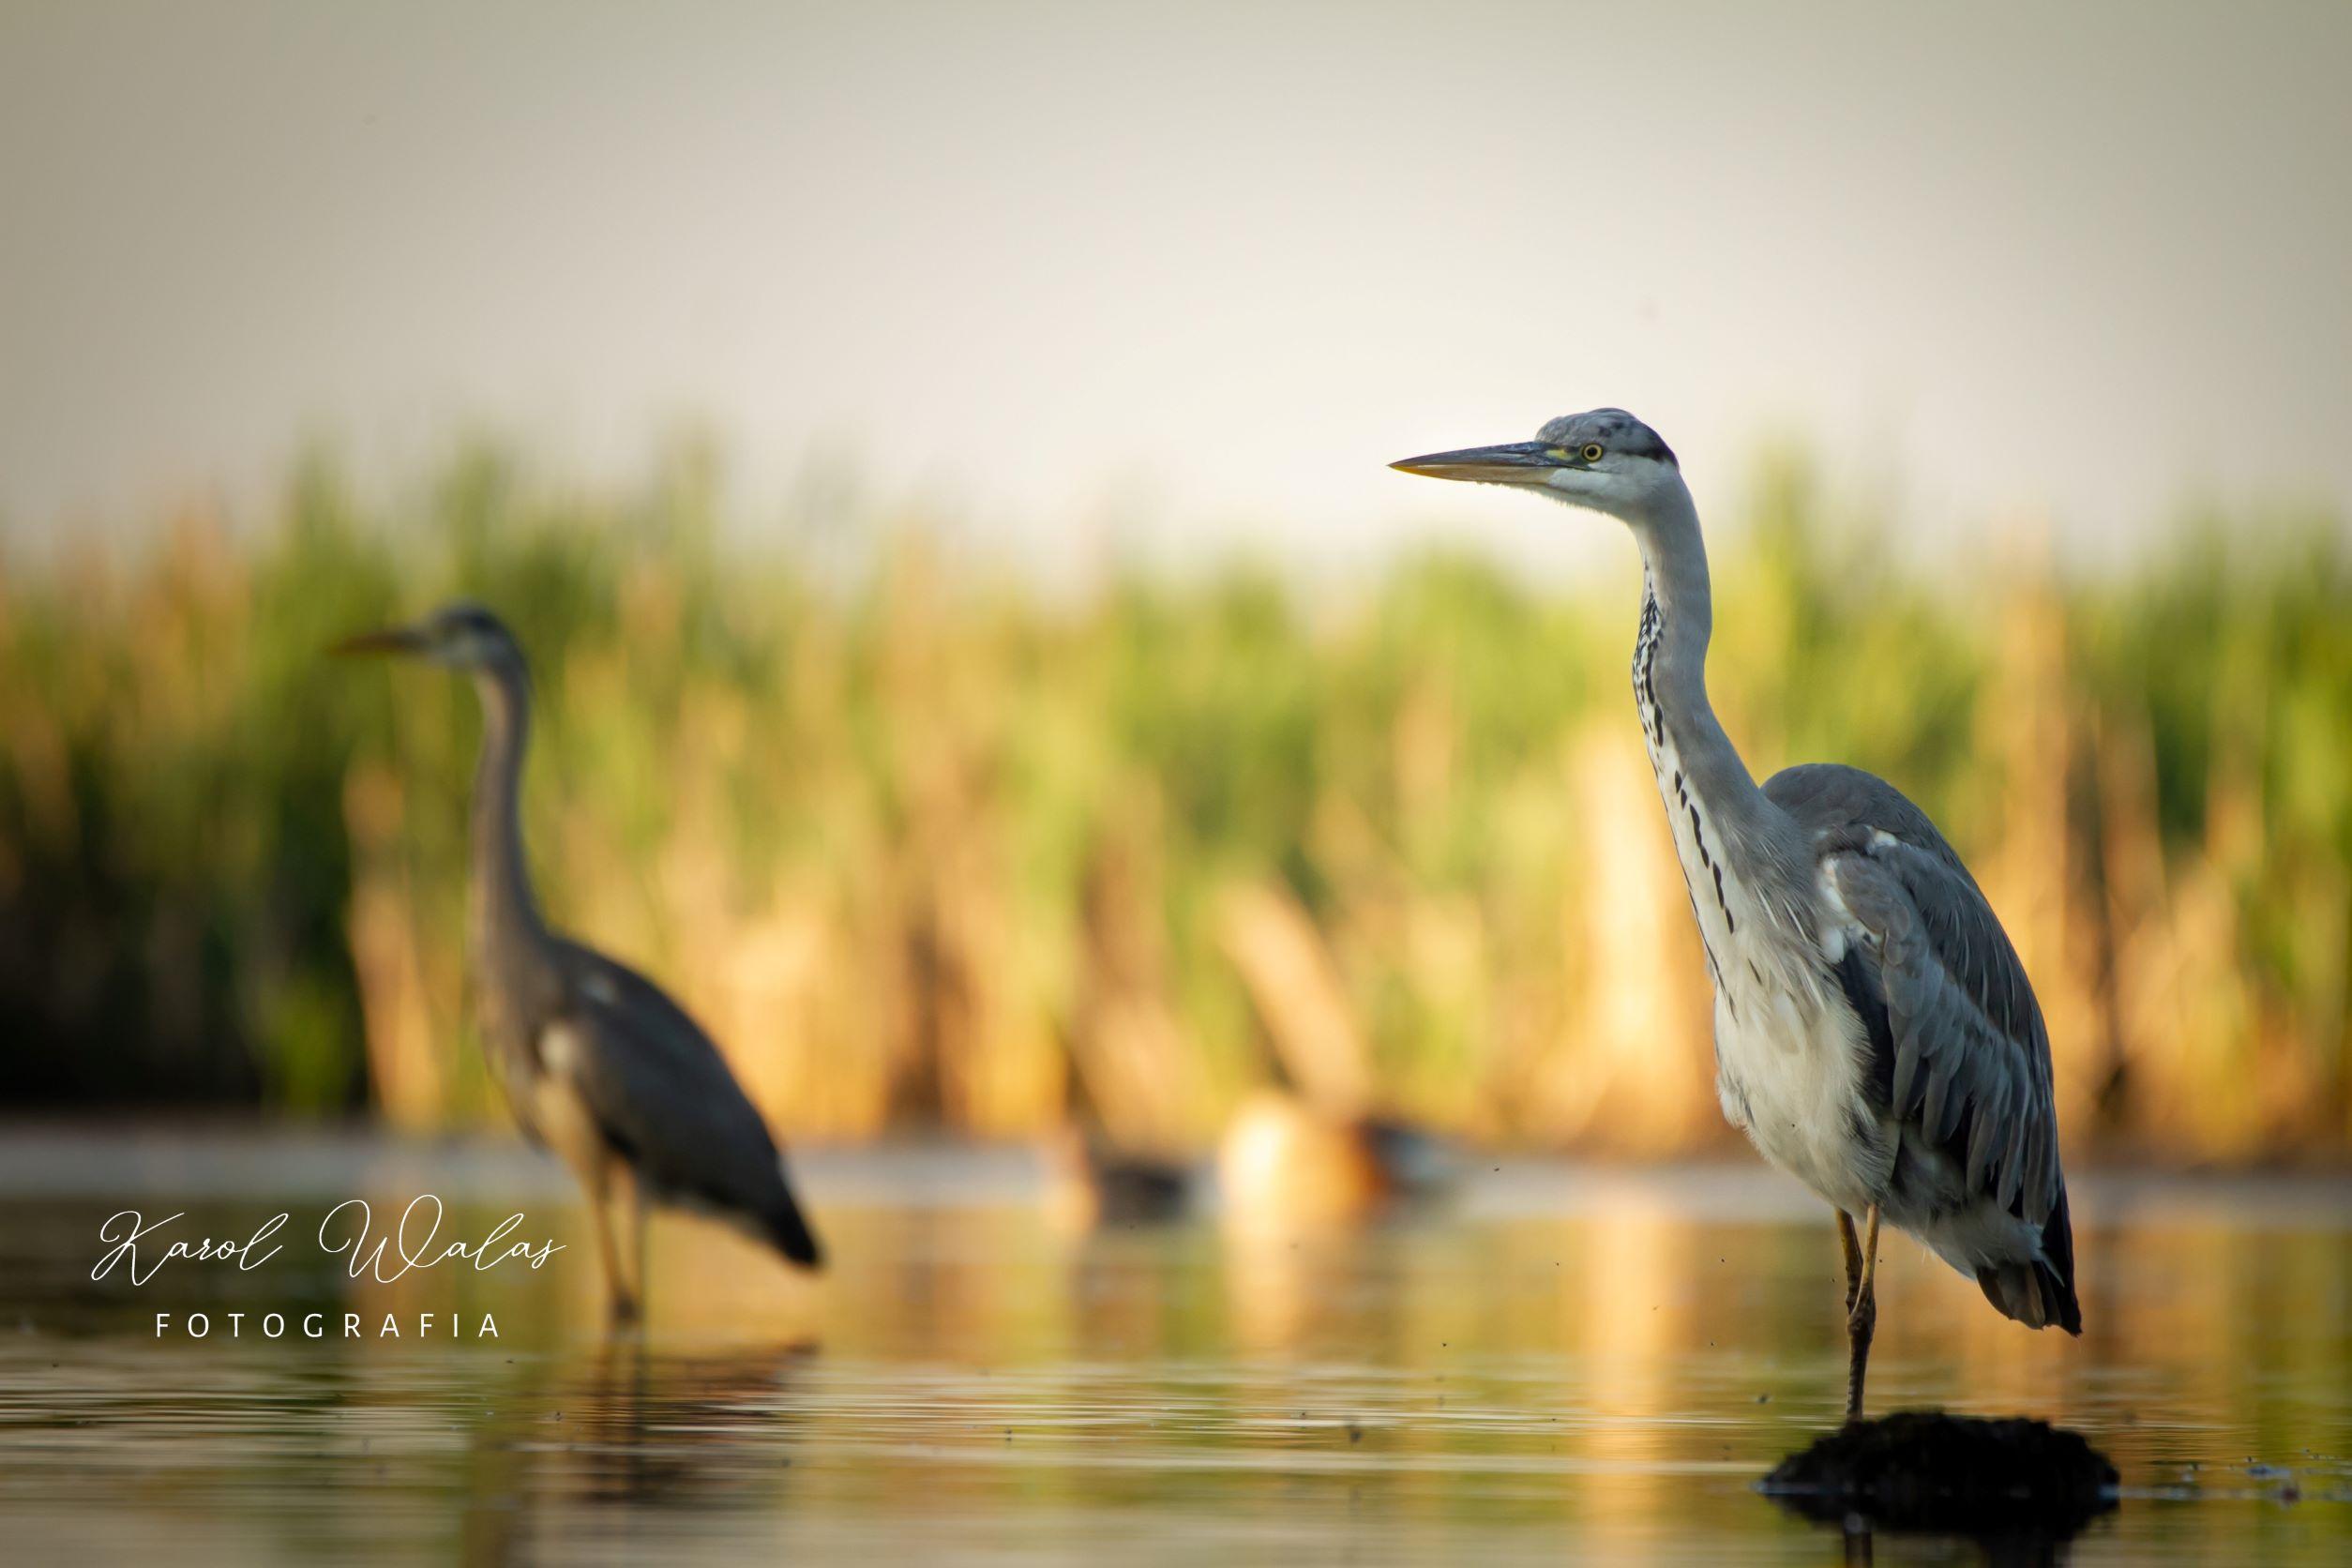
503, 909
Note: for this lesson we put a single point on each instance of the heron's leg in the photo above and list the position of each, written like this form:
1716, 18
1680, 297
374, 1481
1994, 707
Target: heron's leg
619, 1296
637, 1236
1852, 1248
1862, 1311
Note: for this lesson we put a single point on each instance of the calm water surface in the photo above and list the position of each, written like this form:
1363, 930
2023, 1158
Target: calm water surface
1560, 1362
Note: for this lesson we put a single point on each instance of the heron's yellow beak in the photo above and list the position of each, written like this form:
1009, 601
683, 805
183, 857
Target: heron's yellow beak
1521, 462
392, 639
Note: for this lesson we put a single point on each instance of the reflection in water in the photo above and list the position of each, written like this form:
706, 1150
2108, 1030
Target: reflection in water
620, 1424
1562, 1360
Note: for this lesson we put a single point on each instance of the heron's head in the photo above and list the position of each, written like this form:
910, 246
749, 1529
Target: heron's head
463, 636
1604, 460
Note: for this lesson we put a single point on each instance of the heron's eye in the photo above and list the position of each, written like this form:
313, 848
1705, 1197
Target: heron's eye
1591, 451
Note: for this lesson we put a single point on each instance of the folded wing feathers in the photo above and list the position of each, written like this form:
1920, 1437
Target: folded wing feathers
661, 1086
1967, 1037
1983, 1131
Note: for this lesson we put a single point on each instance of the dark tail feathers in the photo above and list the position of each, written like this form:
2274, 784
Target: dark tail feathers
2039, 1293
789, 1233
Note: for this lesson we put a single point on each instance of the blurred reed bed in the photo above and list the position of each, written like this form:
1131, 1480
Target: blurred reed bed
926, 848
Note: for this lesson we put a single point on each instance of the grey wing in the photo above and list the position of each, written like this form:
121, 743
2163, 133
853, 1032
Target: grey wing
1971, 1056
664, 1100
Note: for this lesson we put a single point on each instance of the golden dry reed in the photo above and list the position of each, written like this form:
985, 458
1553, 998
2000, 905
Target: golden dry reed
926, 848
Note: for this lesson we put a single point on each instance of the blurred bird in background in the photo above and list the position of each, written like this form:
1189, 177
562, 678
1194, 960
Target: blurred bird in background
596, 1061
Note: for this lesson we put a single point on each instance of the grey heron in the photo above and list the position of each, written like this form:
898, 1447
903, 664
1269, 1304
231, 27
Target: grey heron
596, 1063
1876, 1037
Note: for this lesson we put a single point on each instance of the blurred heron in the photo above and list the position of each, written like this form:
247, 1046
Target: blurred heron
596, 1063
1874, 1033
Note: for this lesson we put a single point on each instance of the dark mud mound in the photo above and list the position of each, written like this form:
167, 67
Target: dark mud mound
1926, 1470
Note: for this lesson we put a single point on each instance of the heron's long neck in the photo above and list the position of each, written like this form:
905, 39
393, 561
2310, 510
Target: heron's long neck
506, 916
1670, 687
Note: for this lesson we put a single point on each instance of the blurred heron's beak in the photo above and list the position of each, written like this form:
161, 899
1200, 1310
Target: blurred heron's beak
1521, 462
392, 639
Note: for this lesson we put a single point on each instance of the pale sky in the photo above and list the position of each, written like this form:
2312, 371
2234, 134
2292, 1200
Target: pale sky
1203, 268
